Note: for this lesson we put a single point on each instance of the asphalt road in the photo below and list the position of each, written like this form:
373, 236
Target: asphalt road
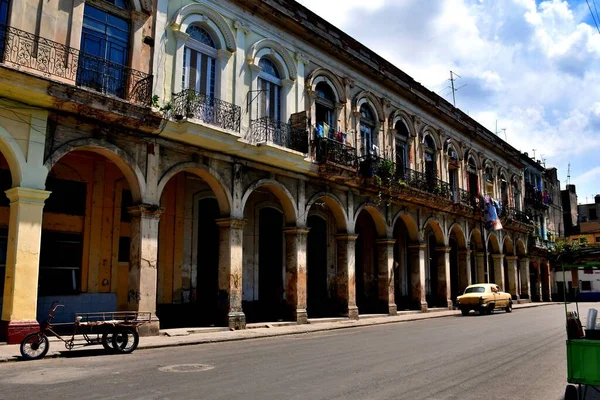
502, 356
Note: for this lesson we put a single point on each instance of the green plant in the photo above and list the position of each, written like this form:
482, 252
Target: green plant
155, 104
386, 168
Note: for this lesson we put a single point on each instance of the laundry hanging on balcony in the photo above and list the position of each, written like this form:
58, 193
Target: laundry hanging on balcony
491, 210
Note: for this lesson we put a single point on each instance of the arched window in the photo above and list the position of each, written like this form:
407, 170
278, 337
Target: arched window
516, 195
489, 181
401, 146
367, 131
472, 178
269, 82
325, 105
199, 61
503, 190
430, 167
453, 171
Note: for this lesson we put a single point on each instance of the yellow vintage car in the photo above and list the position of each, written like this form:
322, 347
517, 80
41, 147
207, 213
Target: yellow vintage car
484, 298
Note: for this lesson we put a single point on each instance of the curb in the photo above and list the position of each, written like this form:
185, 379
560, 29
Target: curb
346, 324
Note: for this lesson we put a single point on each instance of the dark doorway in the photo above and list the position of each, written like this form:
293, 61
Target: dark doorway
507, 277
318, 301
208, 262
534, 278
454, 271
545, 282
270, 265
402, 269
367, 298
433, 298
491, 268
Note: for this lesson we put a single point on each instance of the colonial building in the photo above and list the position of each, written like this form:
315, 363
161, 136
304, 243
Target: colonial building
224, 162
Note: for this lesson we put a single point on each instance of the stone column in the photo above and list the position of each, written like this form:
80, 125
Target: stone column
464, 267
295, 272
231, 236
525, 284
417, 273
22, 264
499, 270
480, 260
444, 288
513, 277
346, 285
385, 262
143, 263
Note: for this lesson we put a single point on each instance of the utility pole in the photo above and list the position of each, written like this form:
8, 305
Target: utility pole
454, 90
569, 174
534, 154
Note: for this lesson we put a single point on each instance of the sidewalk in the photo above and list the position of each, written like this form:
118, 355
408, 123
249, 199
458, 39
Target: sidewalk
194, 336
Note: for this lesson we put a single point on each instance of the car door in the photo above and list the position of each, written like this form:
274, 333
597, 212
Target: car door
500, 298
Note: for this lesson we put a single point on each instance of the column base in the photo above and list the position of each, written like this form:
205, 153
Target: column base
450, 305
150, 329
300, 316
351, 312
392, 309
424, 306
236, 320
13, 332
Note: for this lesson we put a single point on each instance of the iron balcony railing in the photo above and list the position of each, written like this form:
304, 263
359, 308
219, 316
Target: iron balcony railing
192, 104
28, 52
280, 133
335, 152
517, 215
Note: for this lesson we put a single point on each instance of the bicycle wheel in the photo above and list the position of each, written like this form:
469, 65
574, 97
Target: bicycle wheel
34, 346
107, 341
125, 340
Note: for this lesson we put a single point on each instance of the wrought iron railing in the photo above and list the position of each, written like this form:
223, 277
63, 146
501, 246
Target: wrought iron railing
280, 133
28, 52
335, 152
517, 215
192, 104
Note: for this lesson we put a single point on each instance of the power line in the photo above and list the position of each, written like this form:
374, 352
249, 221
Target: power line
593, 16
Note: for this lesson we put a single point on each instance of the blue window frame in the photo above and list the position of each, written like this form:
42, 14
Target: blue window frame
104, 52
4, 8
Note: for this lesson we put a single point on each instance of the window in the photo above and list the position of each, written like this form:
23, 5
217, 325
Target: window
5, 184
516, 195
118, 3
503, 191
104, 51
401, 147
598, 239
430, 164
475, 289
126, 202
269, 82
4, 6
325, 106
586, 286
199, 61
593, 214
60, 263
124, 248
367, 131
67, 197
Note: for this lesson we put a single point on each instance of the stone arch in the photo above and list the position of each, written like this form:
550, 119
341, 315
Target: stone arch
13, 155
369, 98
410, 222
405, 118
470, 153
199, 12
209, 175
508, 246
521, 248
382, 228
495, 244
436, 227
277, 53
324, 75
460, 235
475, 237
428, 131
126, 163
336, 207
290, 211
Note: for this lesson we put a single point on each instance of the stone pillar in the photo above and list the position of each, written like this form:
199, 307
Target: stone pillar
464, 268
480, 260
525, 284
417, 273
231, 236
295, 272
499, 270
546, 281
444, 283
385, 262
513, 277
143, 263
22, 264
346, 285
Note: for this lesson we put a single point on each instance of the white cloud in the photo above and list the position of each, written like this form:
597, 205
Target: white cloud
533, 67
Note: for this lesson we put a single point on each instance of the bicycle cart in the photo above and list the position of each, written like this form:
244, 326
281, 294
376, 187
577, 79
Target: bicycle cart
583, 348
117, 332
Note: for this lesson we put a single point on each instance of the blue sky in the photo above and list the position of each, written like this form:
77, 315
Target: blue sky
531, 65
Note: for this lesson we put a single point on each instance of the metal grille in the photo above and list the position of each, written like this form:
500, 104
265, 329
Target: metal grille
280, 133
191, 104
333, 151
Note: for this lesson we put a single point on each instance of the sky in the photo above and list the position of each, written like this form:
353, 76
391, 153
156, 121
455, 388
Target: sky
531, 68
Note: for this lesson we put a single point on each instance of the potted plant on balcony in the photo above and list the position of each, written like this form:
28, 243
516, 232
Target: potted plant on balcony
385, 169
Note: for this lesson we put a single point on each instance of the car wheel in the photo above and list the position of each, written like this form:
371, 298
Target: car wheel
464, 312
490, 309
571, 393
509, 307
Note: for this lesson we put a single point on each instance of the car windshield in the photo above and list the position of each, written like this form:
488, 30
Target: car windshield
475, 289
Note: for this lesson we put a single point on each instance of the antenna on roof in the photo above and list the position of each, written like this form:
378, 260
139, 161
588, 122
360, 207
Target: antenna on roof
454, 90
569, 174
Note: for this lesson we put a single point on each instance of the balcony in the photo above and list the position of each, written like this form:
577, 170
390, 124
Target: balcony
335, 152
469, 199
536, 199
516, 215
30, 53
210, 110
280, 133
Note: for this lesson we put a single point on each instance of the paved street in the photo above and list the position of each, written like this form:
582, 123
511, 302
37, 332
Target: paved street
503, 356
